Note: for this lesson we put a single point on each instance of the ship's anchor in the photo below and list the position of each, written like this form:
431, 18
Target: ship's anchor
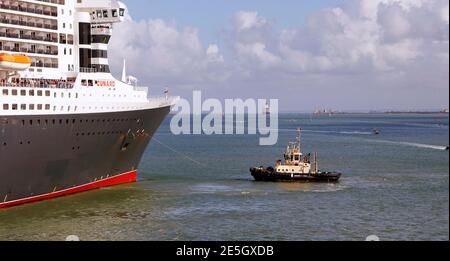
127, 140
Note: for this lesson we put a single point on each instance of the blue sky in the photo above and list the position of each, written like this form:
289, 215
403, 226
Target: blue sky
210, 16
343, 54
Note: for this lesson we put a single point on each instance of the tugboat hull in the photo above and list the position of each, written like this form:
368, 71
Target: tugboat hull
270, 175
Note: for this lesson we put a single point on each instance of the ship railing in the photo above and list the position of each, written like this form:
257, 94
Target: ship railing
88, 70
38, 85
163, 101
140, 89
104, 69
35, 10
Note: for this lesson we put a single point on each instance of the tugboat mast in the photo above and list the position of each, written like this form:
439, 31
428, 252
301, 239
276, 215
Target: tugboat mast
299, 139
316, 164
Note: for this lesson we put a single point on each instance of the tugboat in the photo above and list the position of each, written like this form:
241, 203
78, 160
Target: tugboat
296, 167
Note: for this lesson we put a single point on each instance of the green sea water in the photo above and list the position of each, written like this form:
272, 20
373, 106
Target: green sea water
395, 185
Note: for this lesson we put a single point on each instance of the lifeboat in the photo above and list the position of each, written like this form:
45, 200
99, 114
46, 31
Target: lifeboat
14, 62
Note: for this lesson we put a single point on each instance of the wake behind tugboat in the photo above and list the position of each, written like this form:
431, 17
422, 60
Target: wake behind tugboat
296, 167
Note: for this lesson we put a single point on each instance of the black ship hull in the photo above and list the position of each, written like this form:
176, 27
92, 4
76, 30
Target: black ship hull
55, 155
270, 175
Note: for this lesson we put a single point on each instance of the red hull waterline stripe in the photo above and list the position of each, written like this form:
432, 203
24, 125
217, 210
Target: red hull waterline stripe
124, 178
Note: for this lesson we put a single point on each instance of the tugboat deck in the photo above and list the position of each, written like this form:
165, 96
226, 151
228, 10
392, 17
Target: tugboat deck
296, 167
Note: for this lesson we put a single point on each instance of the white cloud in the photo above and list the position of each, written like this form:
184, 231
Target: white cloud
248, 20
445, 13
400, 46
369, 50
157, 52
213, 54
382, 35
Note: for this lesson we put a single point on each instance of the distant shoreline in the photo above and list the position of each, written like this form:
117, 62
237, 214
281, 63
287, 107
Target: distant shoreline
373, 112
380, 113
348, 113
418, 112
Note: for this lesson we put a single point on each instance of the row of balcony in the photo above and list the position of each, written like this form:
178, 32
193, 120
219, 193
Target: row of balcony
58, 2
44, 65
102, 69
29, 24
28, 50
29, 37
30, 10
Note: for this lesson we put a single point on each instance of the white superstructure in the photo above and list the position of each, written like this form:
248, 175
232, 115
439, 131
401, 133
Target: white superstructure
67, 41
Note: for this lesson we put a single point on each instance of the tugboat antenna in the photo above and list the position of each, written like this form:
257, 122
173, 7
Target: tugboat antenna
316, 163
299, 139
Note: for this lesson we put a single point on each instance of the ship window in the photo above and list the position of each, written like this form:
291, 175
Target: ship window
99, 14
14, 92
84, 33
121, 11
104, 39
31, 107
114, 12
297, 157
39, 93
5, 92
39, 107
14, 107
23, 106
5, 107
105, 13
47, 93
23, 92
47, 107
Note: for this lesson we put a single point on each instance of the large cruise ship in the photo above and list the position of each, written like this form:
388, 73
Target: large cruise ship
66, 124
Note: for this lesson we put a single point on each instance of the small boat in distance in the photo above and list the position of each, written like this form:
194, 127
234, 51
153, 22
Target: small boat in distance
376, 132
267, 109
296, 167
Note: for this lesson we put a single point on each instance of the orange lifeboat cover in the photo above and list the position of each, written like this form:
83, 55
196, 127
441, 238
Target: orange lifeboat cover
15, 58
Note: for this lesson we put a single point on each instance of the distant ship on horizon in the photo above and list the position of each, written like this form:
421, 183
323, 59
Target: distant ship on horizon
267, 109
